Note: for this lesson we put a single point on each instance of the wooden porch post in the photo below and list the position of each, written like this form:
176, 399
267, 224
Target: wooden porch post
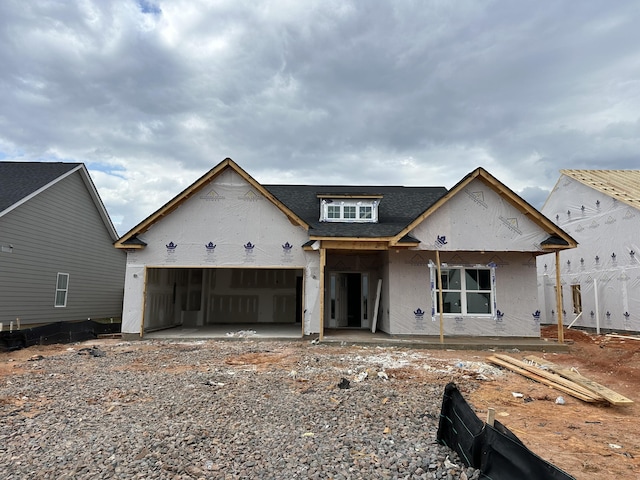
323, 262
440, 297
559, 299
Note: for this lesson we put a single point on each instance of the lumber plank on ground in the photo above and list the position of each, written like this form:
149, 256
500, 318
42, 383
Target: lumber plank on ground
549, 376
545, 381
624, 337
609, 395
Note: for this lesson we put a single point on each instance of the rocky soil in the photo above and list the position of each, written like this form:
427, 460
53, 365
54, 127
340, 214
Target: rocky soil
227, 410
256, 409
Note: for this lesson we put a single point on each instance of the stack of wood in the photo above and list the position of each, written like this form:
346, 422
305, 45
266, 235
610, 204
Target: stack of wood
562, 379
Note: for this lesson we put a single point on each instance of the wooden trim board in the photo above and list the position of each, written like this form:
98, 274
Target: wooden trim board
609, 395
545, 378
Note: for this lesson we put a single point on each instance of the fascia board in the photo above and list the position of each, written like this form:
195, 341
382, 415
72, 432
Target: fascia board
93, 191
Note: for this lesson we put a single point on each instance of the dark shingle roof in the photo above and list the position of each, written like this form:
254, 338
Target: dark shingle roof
398, 207
20, 179
554, 240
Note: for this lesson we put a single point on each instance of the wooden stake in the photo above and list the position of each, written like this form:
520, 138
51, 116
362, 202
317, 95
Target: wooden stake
491, 416
440, 297
559, 299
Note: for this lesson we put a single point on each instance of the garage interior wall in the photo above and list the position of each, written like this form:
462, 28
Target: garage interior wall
195, 297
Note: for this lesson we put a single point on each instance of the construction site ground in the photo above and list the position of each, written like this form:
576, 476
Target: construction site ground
586, 440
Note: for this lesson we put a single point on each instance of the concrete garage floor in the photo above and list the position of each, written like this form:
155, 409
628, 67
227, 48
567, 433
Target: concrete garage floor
293, 332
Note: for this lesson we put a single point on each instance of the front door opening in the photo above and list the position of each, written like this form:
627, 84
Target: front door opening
348, 300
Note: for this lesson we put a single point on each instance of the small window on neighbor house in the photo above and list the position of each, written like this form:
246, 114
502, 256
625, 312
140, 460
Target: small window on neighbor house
576, 297
62, 287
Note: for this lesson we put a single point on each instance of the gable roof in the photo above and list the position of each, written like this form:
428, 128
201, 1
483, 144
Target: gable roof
558, 238
129, 240
21, 181
397, 208
400, 209
623, 185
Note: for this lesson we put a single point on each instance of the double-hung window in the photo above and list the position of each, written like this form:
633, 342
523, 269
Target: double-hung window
62, 288
466, 291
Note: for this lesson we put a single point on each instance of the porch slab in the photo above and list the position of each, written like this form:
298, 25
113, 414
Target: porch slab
450, 343
339, 337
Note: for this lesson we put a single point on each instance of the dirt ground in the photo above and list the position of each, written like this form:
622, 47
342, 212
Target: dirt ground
586, 440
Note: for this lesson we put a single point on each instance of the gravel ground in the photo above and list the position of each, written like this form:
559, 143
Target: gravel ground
228, 410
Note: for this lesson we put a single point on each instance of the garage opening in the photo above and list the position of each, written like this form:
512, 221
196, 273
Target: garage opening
201, 297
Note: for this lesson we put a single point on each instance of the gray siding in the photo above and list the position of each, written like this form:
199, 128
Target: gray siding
59, 230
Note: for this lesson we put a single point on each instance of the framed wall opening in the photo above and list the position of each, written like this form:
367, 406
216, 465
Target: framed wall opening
203, 297
349, 300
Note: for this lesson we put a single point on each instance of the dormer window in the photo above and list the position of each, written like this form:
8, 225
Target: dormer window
349, 208
334, 212
365, 212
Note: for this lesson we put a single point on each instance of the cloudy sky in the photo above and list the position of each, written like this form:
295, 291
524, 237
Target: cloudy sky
151, 94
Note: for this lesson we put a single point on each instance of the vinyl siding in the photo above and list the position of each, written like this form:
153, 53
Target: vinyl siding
59, 230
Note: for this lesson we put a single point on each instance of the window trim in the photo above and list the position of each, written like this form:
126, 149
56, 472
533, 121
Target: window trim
463, 291
366, 210
61, 290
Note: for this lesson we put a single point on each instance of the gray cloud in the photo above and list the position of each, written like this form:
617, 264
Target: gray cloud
152, 94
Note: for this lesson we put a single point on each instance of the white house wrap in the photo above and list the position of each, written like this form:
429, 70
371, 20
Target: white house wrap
229, 250
600, 280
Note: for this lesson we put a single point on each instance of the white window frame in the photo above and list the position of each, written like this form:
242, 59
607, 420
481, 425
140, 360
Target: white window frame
463, 291
331, 211
366, 210
350, 212
61, 290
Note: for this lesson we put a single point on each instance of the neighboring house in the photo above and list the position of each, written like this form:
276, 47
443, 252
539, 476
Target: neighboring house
601, 278
230, 250
57, 261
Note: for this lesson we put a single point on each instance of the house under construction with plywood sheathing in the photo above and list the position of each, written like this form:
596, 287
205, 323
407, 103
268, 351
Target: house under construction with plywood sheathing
600, 279
229, 250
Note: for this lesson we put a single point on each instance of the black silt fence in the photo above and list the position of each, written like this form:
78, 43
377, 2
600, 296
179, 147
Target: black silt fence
59, 332
495, 451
